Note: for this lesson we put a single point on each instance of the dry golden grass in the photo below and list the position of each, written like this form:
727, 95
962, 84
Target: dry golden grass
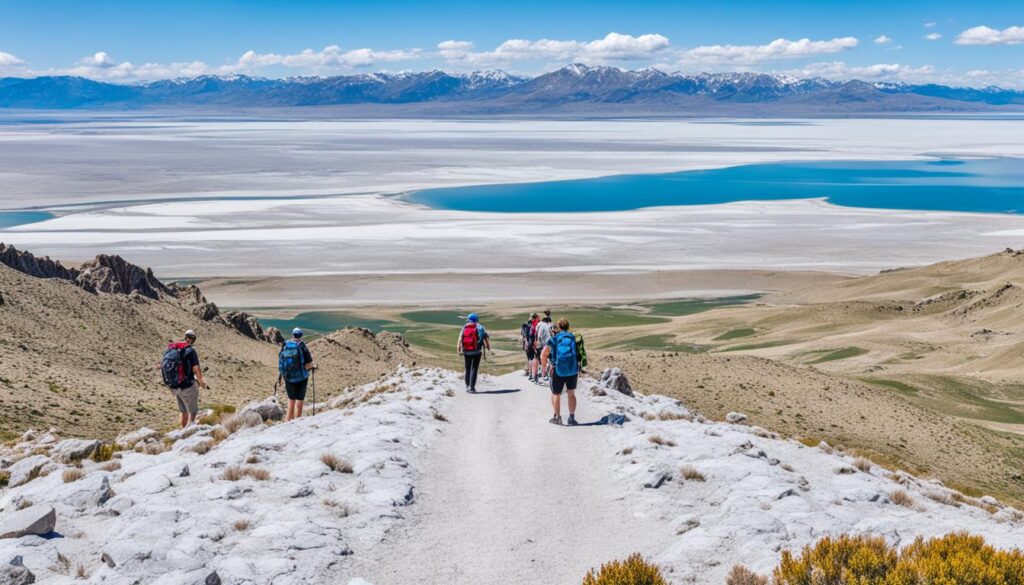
336, 463
238, 421
156, 448
110, 466
204, 447
237, 472
901, 498
864, 464
632, 571
81, 572
440, 417
691, 473
740, 575
659, 440
252, 459
241, 525
627, 451
73, 474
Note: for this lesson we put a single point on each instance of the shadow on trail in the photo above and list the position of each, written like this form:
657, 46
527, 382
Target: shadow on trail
609, 419
509, 391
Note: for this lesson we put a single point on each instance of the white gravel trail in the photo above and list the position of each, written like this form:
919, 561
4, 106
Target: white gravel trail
507, 498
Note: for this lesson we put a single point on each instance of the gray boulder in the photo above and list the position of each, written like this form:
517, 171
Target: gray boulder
27, 469
658, 478
71, 450
37, 520
16, 573
736, 418
130, 440
88, 493
268, 409
615, 379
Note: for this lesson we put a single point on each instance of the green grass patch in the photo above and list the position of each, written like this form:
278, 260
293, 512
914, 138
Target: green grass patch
586, 318
905, 389
831, 355
736, 334
682, 307
657, 343
323, 322
765, 345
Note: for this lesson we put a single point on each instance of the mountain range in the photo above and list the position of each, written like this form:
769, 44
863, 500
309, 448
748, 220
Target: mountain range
575, 89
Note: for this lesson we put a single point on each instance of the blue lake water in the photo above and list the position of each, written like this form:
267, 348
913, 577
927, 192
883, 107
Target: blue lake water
985, 185
13, 218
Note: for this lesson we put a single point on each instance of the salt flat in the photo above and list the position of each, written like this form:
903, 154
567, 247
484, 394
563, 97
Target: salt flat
318, 196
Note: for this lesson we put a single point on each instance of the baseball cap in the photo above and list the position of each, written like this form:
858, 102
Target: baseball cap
297, 332
190, 334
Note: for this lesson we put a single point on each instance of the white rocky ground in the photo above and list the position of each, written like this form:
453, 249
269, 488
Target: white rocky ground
497, 495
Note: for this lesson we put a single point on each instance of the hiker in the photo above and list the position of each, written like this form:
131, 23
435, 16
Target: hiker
473, 339
529, 334
544, 333
182, 374
563, 354
294, 363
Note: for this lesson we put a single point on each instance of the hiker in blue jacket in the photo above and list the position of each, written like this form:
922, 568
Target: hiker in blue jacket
564, 354
473, 339
294, 364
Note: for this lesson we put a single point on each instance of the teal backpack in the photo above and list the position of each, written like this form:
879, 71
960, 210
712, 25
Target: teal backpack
566, 357
290, 362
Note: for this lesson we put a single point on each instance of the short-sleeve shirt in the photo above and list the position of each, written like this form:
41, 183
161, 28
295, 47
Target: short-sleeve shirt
543, 333
191, 360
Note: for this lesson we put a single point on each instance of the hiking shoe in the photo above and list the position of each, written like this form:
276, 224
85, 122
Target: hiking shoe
572, 420
472, 390
556, 420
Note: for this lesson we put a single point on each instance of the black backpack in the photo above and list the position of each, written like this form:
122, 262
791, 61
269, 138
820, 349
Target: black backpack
173, 366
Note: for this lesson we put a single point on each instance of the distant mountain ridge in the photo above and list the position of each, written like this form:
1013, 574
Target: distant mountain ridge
576, 88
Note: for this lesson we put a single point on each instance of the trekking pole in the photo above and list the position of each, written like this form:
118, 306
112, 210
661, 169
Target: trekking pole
314, 391
276, 384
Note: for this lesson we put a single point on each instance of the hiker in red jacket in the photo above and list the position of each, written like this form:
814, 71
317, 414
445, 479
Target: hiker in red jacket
473, 339
182, 374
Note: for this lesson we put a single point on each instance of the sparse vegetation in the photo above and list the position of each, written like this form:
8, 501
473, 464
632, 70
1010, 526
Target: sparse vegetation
439, 416
5, 477
691, 473
954, 559
204, 447
901, 498
110, 466
252, 459
238, 472
105, 452
740, 575
659, 440
73, 474
236, 422
241, 525
863, 463
627, 451
336, 463
632, 571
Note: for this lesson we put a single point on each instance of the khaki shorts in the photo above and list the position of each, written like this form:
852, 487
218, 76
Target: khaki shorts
188, 398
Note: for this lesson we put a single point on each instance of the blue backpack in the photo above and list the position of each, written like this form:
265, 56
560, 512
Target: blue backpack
291, 364
566, 363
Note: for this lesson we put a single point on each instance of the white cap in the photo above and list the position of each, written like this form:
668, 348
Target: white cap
190, 333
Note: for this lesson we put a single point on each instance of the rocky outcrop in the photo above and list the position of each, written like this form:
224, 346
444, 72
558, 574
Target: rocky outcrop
268, 409
192, 299
115, 275
29, 264
247, 325
37, 520
16, 573
615, 379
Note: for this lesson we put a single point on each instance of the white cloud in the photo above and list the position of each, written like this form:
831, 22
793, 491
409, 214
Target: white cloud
933, 36
9, 60
930, 24
876, 72
983, 35
882, 40
775, 50
331, 57
613, 47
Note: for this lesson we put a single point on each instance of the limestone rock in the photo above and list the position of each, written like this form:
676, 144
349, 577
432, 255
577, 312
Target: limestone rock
268, 409
736, 418
115, 275
32, 520
246, 324
615, 379
27, 469
130, 440
71, 450
16, 573
658, 478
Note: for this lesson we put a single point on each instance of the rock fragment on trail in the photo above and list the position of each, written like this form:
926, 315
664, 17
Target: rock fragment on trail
38, 520
16, 573
130, 440
268, 409
615, 379
658, 478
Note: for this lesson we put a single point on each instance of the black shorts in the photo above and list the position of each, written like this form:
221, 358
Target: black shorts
559, 383
296, 390
532, 353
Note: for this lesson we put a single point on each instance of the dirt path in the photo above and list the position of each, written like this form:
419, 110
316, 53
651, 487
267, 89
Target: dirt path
508, 498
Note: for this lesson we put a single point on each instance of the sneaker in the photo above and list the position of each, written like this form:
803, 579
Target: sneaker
556, 420
472, 390
572, 420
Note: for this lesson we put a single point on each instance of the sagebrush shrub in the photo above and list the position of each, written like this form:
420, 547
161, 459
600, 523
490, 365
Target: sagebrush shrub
632, 571
740, 575
953, 559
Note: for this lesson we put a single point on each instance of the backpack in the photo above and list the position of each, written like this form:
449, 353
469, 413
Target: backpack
566, 358
533, 331
470, 338
524, 334
291, 363
581, 350
172, 366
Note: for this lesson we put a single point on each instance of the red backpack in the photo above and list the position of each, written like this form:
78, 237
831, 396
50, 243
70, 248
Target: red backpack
470, 339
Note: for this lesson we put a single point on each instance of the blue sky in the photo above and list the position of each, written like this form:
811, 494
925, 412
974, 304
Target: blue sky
970, 43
